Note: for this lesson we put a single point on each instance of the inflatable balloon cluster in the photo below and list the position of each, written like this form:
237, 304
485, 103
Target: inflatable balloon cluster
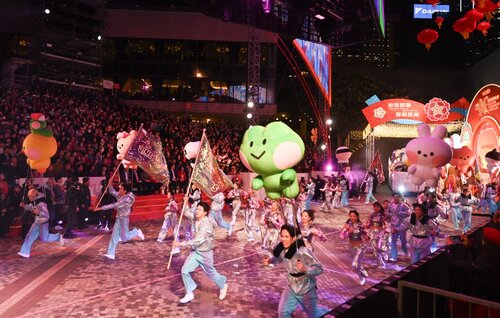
271, 152
427, 154
40, 145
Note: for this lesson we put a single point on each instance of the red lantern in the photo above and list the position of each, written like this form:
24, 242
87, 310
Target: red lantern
433, 2
474, 15
439, 21
483, 27
464, 27
488, 8
427, 37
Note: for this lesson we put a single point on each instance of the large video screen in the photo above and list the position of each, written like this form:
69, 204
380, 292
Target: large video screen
318, 58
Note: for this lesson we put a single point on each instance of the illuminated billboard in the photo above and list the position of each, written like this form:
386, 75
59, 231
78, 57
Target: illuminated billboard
318, 58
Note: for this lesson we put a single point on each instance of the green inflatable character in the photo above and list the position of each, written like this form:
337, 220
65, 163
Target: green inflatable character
271, 152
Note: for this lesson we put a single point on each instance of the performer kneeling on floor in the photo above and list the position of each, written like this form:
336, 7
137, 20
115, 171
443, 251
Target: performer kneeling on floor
202, 254
302, 268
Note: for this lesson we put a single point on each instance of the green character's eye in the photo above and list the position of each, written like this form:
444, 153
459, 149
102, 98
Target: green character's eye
251, 143
264, 141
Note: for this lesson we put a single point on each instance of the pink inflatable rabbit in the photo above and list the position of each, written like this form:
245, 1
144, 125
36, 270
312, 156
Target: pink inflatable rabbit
124, 141
428, 153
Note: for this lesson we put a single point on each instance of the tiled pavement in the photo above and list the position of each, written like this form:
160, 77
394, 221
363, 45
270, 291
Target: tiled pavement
77, 281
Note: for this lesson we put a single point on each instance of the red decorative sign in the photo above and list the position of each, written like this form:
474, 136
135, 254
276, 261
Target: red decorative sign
484, 119
436, 111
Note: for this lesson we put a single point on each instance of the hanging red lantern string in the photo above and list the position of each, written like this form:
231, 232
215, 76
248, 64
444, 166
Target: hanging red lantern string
474, 15
464, 27
433, 2
488, 9
427, 37
439, 21
484, 27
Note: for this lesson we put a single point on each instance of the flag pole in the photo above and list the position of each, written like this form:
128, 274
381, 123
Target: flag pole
176, 233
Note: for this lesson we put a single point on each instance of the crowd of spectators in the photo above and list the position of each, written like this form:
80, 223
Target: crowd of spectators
85, 125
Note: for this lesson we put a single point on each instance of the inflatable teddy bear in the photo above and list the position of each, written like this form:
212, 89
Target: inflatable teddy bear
125, 139
463, 158
428, 153
40, 145
271, 152
191, 150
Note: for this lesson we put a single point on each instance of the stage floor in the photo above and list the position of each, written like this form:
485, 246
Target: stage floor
78, 281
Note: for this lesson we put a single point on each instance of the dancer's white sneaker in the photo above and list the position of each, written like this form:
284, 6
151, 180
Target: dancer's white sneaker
362, 281
223, 292
110, 256
189, 296
61, 240
230, 231
176, 251
23, 255
140, 234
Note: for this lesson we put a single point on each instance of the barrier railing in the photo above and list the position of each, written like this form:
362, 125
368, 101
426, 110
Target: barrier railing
444, 303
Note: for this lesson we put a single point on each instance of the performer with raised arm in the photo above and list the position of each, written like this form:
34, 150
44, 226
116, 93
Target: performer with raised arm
422, 229
302, 268
466, 201
309, 230
40, 227
355, 231
288, 211
236, 194
216, 212
123, 206
201, 255
379, 227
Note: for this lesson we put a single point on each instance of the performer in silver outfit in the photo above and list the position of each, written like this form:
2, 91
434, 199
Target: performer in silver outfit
40, 227
456, 217
309, 230
422, 229
216, 212
272, 220
466, 201
250, 216
302, 268
398, 212
188, 223
169, 219
328, 189
123, 206
379, 229
355, 231
201, 255
236, 194
288, 211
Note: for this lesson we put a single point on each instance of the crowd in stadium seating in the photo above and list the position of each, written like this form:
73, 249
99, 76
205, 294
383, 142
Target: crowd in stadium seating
86, 124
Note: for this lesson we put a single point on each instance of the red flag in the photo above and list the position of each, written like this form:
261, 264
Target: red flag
377, 164
206, 172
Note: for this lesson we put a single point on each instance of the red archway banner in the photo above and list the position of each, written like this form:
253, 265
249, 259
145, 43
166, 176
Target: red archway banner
436, 111
484, 120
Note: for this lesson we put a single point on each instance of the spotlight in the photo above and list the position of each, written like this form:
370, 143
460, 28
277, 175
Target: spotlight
249, 115
250, 104
99, 38
47, 11
401, 189
328, 121
329, 167
323, 147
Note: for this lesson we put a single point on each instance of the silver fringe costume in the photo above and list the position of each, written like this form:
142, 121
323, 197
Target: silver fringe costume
328, 202
379, 229
287, 206
309, 232
357, 248
272, 223
421, 239
250, 214
170, 220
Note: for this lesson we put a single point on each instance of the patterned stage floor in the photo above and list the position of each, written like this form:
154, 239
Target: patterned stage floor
77, 281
